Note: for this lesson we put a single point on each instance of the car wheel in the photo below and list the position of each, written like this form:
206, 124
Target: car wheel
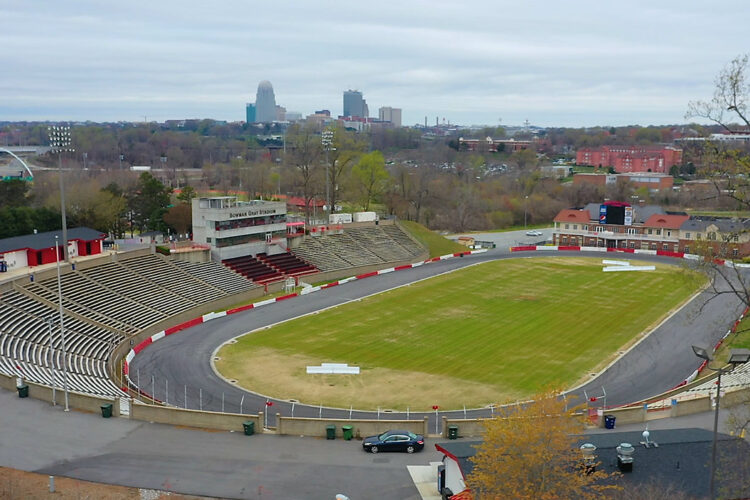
374, 449
410, 449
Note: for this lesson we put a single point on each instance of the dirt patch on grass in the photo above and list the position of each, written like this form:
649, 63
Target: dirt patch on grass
17, 484
283, 376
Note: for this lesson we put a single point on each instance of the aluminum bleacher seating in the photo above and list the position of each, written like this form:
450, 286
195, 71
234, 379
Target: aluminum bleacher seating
362, 246
26, 335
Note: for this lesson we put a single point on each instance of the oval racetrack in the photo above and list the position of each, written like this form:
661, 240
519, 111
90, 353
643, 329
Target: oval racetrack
181, 363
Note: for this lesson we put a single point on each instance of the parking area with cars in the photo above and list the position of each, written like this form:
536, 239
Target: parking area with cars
394, 440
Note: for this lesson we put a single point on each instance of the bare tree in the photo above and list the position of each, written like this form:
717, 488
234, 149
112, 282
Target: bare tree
304, 156
730, 97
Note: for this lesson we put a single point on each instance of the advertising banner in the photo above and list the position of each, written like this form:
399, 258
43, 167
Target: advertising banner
628, 216
602, 214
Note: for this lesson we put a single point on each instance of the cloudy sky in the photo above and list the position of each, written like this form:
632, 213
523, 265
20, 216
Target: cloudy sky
553, 62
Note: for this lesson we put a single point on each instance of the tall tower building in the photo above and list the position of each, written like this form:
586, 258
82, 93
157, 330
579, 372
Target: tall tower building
265, 103
354, 104
250, 113
389, 114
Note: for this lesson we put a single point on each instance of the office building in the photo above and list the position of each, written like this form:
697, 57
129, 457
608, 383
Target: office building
355, 105
250, 113
389, 114
265, 103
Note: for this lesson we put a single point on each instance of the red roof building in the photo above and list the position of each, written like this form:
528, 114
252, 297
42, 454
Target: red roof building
626, 159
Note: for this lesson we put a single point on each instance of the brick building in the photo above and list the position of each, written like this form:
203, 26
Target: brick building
650, 180
626, 159
651, 228
648, 228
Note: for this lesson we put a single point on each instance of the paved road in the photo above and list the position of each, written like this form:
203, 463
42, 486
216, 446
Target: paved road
37, 437
655, 365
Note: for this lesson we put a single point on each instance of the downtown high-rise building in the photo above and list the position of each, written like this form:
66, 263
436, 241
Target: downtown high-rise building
265, 103
389, 114
355, 105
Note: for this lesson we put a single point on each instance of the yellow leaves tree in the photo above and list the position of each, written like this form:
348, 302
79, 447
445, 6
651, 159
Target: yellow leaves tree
530, 451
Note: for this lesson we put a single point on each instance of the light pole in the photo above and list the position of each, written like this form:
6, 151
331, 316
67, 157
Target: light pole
62, 329
736, 357
52, 357
326, 140
525, 204
59, 139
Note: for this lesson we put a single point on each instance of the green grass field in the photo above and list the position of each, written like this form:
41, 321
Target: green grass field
486, 334
435, 243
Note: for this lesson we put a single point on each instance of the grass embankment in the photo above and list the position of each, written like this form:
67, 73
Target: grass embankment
435, 243
486, 334
740, 339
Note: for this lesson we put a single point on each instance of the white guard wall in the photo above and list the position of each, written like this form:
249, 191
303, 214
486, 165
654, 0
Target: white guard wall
16, 260
453, 477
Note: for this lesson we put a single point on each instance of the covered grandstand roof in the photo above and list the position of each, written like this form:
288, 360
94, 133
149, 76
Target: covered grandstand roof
47, 240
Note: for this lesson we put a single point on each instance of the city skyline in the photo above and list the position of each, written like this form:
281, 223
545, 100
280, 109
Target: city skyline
476, 63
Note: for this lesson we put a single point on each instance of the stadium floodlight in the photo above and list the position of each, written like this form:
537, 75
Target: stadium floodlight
60, 140
702, 353
736, 357
326, 139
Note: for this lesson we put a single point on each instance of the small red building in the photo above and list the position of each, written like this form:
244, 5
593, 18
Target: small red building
38, 249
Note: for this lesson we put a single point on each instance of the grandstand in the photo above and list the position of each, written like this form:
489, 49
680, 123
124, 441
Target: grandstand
103, 305
253, 269
108, 302
25, 346
359, 246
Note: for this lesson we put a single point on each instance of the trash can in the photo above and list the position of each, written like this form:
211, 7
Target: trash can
330, 432
23, 391
609, 421
452, 432
249, 427
107, 410
348, 434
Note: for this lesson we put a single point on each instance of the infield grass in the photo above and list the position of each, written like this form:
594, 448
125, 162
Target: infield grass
489, 333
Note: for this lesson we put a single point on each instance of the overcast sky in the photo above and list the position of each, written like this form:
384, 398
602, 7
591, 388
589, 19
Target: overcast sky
555, 62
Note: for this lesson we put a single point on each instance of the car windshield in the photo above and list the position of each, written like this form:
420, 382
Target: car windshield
383, 436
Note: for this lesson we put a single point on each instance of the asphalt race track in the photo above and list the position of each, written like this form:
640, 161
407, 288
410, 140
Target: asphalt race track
181, 363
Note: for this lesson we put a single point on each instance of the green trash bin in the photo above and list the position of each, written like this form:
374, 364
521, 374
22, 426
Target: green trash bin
330, 432
249, 427
23, 391
348, 434
452, 432
107, 410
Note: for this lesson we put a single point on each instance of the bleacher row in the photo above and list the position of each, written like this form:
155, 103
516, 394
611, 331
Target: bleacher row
107, 303
264, 268
116, 300
359, 247
25, 346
